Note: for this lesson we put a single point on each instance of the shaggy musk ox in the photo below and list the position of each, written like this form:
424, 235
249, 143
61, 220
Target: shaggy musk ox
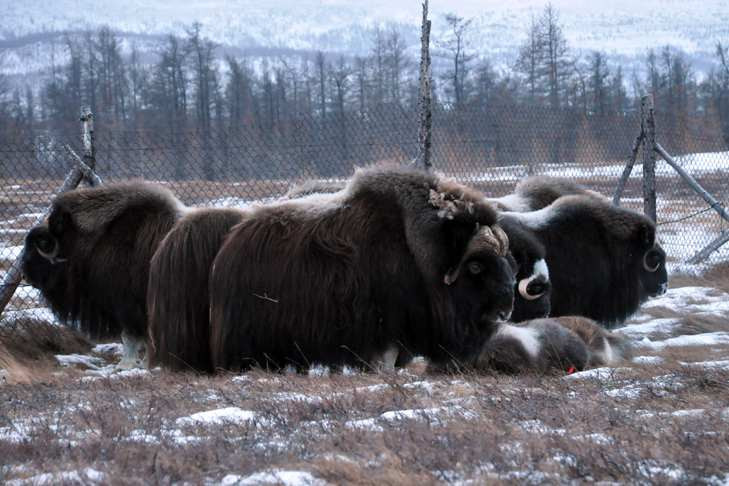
397, 258
604, 261
537, 192
177, 297
90, 260
532, 292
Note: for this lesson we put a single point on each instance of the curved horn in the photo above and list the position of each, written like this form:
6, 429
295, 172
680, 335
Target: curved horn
51, 256
523, 290
648, 267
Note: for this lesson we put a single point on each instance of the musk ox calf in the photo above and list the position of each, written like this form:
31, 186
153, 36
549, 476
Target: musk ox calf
178, 300
90, 260
604, 261
399, 258
555, 344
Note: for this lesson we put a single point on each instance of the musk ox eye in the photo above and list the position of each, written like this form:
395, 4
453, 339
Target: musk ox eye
652, 261
474, 268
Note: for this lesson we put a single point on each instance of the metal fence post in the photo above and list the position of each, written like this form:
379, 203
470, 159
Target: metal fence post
648, 128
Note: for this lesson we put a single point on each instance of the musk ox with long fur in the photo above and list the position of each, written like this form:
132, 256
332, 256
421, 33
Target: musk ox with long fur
178, 301
90, 259
537, 192
604, 261
398, 258
532, 292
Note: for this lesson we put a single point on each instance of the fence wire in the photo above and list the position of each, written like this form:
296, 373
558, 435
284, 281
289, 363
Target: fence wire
232, 166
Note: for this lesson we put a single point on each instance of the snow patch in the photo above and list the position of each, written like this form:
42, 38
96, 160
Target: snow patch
285, 478
219, 416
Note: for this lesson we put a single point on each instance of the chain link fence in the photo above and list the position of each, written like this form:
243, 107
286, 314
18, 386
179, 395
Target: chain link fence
491, 150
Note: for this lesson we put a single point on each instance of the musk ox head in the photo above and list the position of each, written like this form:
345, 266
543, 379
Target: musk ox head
482, 282
90, 258
650, 264
533, 287
604, 261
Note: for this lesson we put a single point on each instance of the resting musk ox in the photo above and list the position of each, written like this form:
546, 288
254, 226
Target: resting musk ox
399, 258
542, 345
537, 192
604, 261
90, 259
177, 298
532, 292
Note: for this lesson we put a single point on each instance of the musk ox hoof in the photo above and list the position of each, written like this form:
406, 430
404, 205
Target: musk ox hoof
135, 353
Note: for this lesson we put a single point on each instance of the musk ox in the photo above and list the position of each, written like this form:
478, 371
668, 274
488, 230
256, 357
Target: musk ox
177, 298
542, 345
604, 261
398, 258
532, 292
537, 192
90, 259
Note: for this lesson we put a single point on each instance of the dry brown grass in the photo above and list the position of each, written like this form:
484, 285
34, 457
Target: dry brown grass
489, 428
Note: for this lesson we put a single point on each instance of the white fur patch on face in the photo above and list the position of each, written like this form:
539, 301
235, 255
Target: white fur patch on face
528, 337
533, 219
512, 202
541, 269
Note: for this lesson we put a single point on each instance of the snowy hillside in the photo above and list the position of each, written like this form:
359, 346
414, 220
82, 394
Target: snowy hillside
623, 28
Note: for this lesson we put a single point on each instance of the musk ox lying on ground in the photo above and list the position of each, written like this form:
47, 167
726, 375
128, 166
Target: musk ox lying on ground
90, 260
565, 343
532, 292
398, 258
178, 298
604, 261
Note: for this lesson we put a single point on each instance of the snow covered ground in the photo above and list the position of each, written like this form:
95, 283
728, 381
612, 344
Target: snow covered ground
661, 417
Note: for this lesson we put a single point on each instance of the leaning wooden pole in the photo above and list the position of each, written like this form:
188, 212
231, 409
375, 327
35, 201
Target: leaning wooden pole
425, 133
648, 128
628, 169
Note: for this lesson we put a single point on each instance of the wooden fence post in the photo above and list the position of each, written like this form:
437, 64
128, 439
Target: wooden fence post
425, 133
87, 136
648, 128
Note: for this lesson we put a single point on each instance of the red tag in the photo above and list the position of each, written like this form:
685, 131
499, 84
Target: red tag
571, 370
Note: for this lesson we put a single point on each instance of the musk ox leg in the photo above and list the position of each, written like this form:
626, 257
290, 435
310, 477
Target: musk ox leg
540, 345
135, 352
386, 361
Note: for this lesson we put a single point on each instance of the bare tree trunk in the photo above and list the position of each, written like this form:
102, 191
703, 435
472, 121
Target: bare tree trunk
426, 115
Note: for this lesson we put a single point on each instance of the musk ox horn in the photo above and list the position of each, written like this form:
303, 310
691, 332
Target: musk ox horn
524, 289
648, 267
51, 256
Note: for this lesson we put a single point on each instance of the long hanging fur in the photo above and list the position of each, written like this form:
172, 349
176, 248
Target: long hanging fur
398, 257
177, 297
91, 259
527, 252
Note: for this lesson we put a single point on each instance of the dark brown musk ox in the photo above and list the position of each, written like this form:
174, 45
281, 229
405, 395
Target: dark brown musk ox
90, 259
178, 302
398, 258
533, 288
604, 261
